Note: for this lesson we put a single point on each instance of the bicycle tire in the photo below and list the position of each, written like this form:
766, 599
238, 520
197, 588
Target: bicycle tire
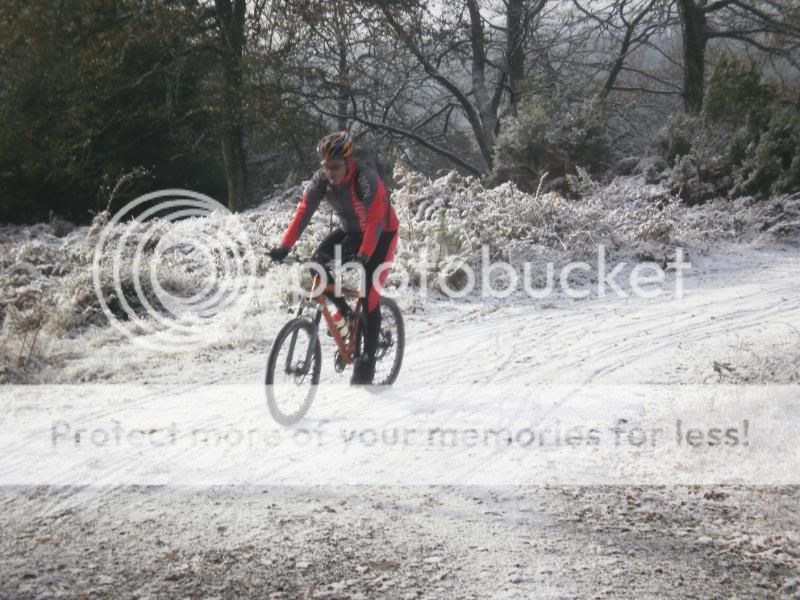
392, 339
276, 391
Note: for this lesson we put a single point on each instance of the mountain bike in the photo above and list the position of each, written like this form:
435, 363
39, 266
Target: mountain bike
295, 358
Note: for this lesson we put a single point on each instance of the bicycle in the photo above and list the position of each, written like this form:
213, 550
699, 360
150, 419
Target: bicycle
298, 347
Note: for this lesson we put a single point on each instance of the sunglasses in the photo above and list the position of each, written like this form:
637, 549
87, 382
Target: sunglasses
333, 166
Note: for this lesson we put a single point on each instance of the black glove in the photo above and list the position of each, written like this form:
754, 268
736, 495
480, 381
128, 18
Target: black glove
278, 253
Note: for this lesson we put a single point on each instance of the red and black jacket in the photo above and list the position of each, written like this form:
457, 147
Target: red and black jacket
361, 202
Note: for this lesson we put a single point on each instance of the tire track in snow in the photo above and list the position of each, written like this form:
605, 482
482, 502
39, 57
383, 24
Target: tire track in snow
630, 339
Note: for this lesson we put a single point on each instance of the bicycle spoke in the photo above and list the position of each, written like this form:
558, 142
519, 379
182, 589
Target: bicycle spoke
293, 371
388, 354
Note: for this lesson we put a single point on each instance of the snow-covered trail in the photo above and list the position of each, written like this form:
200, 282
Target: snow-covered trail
740, 300
467, 366
728, 301
233, 531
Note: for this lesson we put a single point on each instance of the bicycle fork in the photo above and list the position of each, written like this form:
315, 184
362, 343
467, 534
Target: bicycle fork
303, 369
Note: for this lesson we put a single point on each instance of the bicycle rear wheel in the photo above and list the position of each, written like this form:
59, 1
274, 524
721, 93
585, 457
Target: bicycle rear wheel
391, 343
293, 368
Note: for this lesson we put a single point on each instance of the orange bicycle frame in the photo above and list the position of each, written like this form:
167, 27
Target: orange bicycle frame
346, 347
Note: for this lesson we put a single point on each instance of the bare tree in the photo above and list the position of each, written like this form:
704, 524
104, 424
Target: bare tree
516, 28
630, 26
492, 58
353, 74
758, 23
230, 15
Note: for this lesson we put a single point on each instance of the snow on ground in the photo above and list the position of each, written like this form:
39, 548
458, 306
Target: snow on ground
376, 542
739, 310
125, 527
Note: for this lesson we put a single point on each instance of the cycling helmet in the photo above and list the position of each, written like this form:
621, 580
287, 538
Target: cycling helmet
334, 146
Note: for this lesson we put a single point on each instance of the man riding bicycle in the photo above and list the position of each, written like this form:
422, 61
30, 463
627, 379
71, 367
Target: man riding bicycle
367, 232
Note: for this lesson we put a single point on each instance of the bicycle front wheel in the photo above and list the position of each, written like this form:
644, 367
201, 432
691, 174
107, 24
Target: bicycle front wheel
293, 368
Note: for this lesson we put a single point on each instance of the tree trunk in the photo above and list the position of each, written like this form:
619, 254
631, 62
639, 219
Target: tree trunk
472, 115
486, 110
695, 36
231, 18
516, 57
482, 108
344, 92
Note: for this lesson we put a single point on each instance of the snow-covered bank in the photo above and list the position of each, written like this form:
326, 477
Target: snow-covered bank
54, 328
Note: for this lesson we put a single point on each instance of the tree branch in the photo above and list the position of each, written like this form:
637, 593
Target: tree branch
451, 156
469, 110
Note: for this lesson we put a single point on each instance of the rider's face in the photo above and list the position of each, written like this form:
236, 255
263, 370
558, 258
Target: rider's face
335, 170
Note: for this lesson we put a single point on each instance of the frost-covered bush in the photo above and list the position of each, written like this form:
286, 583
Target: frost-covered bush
47, 284
676, 136
449, 219
746, 142
550, 137
754, 363
764, 149
737, 96
452, 218
19, 351
772, 160
744, 218
698, 157
34, 264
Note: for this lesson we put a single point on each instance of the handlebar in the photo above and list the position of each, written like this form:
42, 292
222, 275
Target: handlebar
293, 259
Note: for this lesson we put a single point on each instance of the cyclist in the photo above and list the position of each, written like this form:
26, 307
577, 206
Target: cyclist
367, 231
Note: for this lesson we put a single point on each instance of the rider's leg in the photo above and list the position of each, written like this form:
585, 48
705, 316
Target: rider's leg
326, 251
364, 370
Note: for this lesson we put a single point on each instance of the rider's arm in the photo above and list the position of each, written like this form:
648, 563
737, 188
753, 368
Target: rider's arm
312, 196
376, 200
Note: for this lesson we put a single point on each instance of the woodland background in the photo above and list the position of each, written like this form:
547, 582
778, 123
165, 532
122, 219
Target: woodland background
103, 100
